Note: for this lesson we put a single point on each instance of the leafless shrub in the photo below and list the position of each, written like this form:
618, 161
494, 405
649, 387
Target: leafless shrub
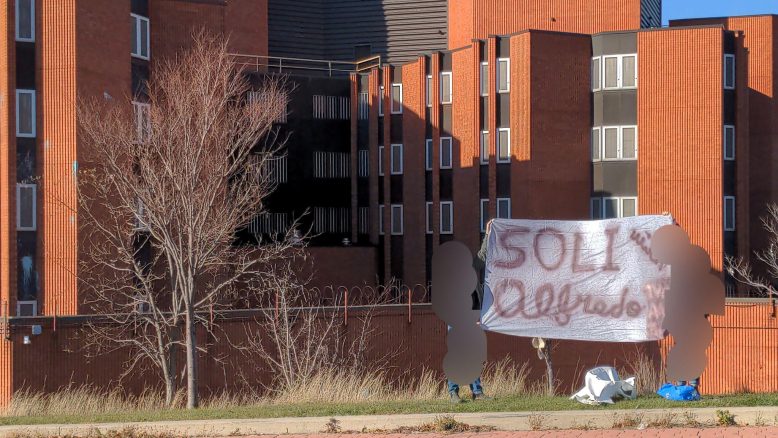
307, 347
647, 373
536, 421
741, 270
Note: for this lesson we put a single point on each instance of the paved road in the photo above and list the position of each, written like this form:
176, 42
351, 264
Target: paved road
733, 432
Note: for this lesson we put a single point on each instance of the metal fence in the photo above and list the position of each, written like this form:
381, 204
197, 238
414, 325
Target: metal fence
275, 64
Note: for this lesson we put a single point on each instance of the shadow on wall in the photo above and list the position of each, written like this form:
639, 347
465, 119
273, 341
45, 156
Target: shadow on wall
345, 30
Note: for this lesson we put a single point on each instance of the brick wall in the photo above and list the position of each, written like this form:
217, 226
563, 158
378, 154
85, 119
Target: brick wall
7, 157
414, 127
758, 69
741, 357
550, 125
173, 22
680, 119
471, 19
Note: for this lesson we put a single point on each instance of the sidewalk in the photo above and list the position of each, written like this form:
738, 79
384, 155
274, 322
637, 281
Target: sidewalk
502, 421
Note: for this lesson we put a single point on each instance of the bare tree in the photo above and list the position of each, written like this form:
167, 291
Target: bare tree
168, 187
742, 271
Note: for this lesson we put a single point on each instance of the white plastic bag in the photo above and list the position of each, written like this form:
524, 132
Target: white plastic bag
602, 385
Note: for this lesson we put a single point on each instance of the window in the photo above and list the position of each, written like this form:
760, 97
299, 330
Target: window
629, 72
429, 90
429, 217
381, 219
446, 217
629, 207
446, 153
596, 208
503, 75
363, 222
380, 161
504, 208
484, 214
610, 208
615, 143
142, 121
25, 20
428, 154
381, 100
729, 142
729, 72
611, 72
729, 213
620, 71
140, 36
26, 308
364, 163
396, 165
276, 169
397, 219
364, 106
629, 143
331, 107
484, 147
596, 73
484, 79
331, 165
446, 95
611, 146
504, 145
332, 220
141, 223
25, 113
596, 144
263, 98
26, 207
397, 98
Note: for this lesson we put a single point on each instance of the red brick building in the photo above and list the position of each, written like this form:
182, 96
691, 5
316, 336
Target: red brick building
559, 109
613, 124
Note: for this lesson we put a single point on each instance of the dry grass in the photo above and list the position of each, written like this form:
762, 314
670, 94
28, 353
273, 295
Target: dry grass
627, 421
664, 420
536, 421
444, 424
349, 387
127, 432
507, 378
329, 386
648, 377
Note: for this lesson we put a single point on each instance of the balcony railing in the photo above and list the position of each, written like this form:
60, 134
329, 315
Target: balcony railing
275, 64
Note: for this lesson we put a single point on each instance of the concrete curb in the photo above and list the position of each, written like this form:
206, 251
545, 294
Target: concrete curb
506, 421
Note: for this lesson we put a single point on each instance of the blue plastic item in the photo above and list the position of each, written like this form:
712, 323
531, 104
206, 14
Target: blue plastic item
678, 392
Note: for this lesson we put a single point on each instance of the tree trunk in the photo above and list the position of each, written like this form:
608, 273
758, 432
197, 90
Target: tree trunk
192, 399
549, 368
171, 369
170, 388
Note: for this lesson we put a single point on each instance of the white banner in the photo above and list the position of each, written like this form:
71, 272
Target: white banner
580, 280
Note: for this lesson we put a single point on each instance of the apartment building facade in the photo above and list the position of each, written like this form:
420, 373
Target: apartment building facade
53, 53
539, 123
550, 110
545, 124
